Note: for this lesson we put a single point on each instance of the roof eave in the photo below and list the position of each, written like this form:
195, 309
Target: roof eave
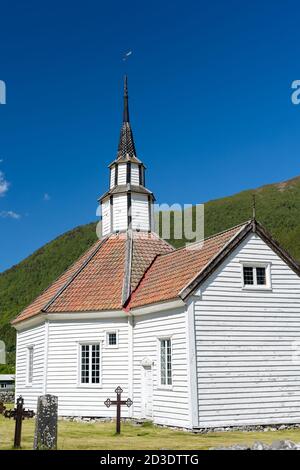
168, 304
40, 318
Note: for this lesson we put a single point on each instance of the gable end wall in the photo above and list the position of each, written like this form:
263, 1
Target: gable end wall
245, 344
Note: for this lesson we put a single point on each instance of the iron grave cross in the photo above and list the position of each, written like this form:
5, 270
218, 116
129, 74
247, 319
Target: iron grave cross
119, 403
18, 413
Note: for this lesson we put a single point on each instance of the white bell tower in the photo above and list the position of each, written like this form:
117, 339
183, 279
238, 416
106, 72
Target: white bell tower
127, 205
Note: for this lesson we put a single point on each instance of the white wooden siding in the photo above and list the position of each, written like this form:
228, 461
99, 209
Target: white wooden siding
140, 211
122, 173
106, 217
112, 176
245, 344
135, 174
169, 406
120, 212
34, 337
63, 366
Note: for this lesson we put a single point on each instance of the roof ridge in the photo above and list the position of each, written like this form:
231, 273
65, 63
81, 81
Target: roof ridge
127, 303
71, 279
126, 289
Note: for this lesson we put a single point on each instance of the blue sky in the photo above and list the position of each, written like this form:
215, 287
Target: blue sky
209, 86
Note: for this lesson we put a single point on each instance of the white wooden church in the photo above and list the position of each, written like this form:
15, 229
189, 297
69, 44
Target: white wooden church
197, 338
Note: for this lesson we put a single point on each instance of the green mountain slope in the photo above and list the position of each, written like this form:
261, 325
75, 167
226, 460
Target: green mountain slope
278, 208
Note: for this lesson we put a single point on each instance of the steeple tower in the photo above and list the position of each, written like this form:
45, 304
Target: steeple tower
128, 205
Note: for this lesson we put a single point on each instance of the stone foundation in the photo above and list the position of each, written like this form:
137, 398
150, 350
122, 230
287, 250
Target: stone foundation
137, 422
7, 397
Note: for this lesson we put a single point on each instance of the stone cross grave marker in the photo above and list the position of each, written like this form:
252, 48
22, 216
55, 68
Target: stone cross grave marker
119, 403
18, 414
45, 436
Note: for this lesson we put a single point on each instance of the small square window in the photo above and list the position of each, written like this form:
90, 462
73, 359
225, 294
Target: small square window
112, 339
257, 276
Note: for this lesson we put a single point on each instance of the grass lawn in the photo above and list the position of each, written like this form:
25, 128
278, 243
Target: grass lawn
101, 436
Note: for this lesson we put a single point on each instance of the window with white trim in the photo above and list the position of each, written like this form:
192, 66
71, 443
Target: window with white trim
165, 361
256, 276
90, 364
30, 365
112, 339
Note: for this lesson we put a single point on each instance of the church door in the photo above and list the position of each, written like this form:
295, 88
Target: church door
147, 388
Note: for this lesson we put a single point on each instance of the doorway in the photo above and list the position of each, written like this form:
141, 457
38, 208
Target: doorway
147, 392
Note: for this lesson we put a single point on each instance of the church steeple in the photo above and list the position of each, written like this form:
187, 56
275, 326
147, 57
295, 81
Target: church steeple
127, 204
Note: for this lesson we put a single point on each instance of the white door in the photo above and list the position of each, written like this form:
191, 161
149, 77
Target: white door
147, 387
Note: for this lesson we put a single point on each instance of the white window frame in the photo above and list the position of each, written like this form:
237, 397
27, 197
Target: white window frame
159, 341
111, 346
29, 365
79, 362
254, 265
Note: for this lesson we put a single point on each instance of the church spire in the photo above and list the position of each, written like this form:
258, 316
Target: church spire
126, 110
126, 148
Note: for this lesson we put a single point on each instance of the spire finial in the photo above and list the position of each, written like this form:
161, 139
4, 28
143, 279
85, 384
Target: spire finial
253, 206
126, 110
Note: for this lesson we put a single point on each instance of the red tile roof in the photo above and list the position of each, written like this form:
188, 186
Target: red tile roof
96, 281
42, 300
171, 273
142, 266
145, 248
98, 285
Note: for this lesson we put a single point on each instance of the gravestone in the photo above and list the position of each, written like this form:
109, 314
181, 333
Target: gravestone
45, 436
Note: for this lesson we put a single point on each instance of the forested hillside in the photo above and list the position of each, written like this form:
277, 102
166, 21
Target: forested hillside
277, 206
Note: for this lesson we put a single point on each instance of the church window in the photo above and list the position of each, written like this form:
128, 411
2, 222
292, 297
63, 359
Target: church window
256, 276
30, 365
90, 364
112, 339
165, 362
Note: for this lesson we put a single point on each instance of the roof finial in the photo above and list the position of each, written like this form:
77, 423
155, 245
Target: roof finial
254, 207
126, 110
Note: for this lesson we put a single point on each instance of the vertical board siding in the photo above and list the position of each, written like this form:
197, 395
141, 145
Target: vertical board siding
33, 337
135, 174
169, 406
112, 176
122, 172
120, 212
63, 366
106, 217
246, 343
140, 212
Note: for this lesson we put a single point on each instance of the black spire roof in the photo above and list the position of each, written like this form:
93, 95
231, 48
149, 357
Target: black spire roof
126, 148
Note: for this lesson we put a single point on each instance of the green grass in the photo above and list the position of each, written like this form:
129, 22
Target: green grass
278, 208
101, 436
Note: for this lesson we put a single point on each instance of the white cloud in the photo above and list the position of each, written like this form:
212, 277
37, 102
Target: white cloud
9, 215
47, 197
4, 184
